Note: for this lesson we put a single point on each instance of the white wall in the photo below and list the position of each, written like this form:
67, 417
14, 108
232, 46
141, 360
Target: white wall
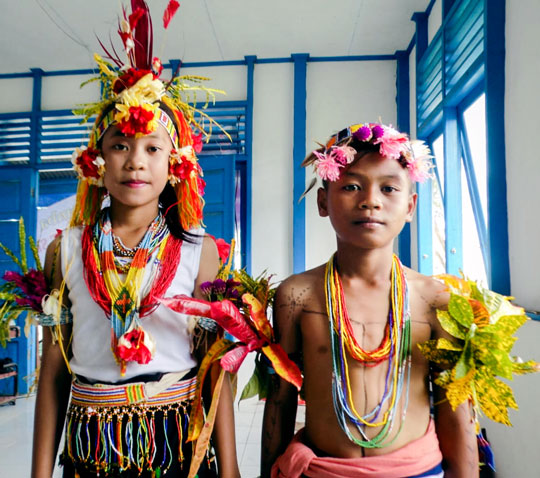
434, 20
339, 95
15, 95
272, 182
516, 449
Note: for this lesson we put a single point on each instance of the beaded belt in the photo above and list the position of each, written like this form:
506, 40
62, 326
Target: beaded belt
123, 427
118, 395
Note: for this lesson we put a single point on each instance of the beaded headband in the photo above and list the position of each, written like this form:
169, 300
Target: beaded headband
132, 95
161, 117
330, 159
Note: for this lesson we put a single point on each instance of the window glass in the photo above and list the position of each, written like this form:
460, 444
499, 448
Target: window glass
438, 222
473, 259
475, 123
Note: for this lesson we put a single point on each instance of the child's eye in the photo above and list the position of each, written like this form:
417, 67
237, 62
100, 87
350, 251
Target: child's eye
119, 147
153, 149
388, 189
351, 187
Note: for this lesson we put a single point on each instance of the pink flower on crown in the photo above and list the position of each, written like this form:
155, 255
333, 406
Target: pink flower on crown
419, 162
327, 168
342, 154
392, 143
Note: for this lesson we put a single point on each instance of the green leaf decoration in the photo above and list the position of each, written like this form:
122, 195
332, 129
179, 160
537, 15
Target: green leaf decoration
444, 358
22, 242
10, 254
459, 390
450, 325
445, 344
520, 368
495, 397
465, 362
508, 324
460, 309
252, 387
485, 322
35, 253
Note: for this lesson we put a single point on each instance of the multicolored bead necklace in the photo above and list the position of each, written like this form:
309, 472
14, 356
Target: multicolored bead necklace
123, 298
394, 348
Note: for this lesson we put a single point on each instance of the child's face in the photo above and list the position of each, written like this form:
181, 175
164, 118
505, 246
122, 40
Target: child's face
136, 170
370, 203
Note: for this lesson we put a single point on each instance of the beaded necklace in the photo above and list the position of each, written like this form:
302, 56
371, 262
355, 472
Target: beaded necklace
122, 298
394, 348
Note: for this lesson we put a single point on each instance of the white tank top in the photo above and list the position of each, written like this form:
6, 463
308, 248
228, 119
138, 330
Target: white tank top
91, 347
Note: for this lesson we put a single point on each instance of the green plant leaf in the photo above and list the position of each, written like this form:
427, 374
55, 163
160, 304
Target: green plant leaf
252, 387
450, 325
460, 309
10, 254
465, 362
446, 344
35, 253
22, 243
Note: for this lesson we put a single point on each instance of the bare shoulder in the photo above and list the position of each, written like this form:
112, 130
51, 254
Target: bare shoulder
429, 290
293, 297
300, 289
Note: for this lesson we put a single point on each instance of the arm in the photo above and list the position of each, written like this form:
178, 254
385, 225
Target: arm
53, 389
282, 401
457, 438
455, 429
223, 434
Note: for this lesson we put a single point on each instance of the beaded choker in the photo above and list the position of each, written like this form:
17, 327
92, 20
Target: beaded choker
394, 348
124, 300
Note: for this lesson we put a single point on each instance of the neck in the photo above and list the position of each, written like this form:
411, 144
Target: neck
371, 265
130, 224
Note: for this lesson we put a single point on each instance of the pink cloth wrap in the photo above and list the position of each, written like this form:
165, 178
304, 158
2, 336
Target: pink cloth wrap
412, 459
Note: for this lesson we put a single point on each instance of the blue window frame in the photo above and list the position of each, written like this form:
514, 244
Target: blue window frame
460, 112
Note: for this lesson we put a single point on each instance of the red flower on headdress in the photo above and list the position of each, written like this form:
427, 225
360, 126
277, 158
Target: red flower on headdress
182, 169
139, 121
135, 345
197, 142
89, 163
201, 184
129, 78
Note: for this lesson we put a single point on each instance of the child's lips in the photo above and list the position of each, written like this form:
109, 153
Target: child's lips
135, 183
369, 223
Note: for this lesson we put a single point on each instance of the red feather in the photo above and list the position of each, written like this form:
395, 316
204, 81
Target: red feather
169, 12
142, 35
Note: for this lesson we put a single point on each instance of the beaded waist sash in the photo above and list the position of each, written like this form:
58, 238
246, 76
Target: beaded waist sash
121, 395
137, 426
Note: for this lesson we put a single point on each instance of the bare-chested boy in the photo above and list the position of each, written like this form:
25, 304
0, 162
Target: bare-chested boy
356, 323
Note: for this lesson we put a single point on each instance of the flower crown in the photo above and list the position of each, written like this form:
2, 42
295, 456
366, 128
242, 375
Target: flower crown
330, 159
137, 102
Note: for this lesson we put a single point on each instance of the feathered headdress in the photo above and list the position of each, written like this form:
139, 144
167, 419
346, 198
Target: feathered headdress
137, 101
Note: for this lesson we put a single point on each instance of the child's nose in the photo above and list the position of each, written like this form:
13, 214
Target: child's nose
136, 160
370, 199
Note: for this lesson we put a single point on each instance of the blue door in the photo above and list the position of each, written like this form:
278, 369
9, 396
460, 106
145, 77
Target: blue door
219, 173
18, 198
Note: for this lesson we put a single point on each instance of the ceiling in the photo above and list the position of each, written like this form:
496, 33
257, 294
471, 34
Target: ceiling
61, 34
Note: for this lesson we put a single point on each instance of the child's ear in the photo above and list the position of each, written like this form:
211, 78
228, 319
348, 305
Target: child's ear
411, 207
321, 202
